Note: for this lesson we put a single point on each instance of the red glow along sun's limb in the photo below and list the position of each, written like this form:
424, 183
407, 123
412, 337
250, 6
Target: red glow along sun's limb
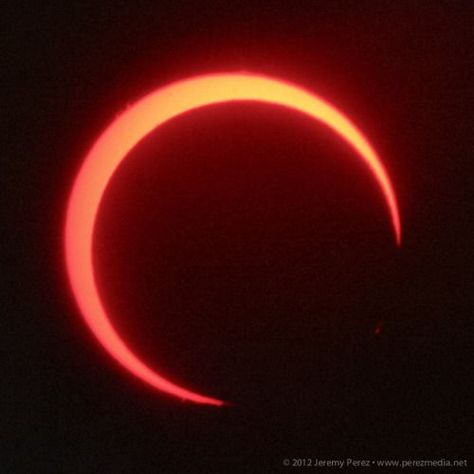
118, 139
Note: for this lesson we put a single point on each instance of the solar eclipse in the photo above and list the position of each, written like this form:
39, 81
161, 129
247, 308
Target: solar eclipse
126, 131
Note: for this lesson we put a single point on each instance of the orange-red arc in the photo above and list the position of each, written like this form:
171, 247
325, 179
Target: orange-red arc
126, 131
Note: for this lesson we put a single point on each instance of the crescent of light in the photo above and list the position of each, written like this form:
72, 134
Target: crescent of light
133, 125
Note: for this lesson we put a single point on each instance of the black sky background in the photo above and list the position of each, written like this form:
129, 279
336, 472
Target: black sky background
243, 249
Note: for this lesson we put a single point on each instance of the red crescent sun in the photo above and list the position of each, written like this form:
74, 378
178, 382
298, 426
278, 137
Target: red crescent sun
118, 139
